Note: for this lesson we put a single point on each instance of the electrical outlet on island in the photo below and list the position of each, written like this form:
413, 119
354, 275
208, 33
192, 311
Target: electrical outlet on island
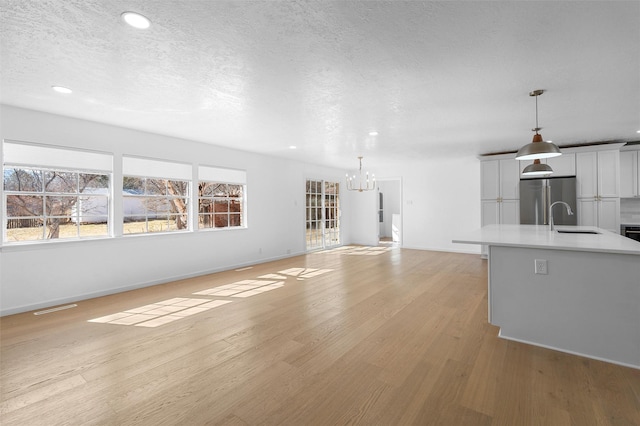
540, 267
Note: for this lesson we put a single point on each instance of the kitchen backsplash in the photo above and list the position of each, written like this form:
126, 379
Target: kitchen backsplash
630, 210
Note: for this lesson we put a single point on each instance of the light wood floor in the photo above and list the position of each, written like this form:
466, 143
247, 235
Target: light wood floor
393, 339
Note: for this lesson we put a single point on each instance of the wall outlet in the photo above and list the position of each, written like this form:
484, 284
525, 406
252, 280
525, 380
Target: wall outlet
540, 266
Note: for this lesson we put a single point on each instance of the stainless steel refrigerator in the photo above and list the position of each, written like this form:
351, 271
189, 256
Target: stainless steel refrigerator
536, 195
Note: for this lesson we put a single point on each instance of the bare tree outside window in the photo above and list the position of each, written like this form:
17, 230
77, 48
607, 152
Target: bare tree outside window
41, 202
155, 205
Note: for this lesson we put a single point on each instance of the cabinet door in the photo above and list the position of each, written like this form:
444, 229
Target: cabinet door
608, 176
587, 212
510, 212
628, 174
490, 212
586, 174
509, 179
490, 179
563, 165
609, 214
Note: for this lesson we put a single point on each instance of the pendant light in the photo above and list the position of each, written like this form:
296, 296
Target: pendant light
365, 185
537, 169
537, 148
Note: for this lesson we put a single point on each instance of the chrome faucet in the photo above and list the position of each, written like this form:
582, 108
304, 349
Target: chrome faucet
569, 212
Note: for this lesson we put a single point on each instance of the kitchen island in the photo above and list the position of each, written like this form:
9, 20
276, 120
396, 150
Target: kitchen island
573, 292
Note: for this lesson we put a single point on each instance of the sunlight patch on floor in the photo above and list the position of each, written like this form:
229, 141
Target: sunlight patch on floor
160, 313
304, 272
166, 311
272, 277
244, 288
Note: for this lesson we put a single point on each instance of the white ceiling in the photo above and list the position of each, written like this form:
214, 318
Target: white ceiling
433, 78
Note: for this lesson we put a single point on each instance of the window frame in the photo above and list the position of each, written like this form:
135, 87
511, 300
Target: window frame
148, 168
45, 216
153, 198
242, 199
216, 175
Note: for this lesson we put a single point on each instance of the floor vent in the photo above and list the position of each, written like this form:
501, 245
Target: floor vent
59, 308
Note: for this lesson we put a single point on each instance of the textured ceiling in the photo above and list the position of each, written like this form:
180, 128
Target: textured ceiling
433, 78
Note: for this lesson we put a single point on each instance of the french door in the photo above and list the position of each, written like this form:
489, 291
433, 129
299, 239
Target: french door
323, 214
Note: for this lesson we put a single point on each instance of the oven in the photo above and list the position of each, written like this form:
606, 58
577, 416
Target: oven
631, 231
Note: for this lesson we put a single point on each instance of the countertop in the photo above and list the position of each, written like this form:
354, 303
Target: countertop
539, 236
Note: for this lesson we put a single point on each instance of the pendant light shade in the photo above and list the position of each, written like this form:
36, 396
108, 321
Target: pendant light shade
537, 169
537, 148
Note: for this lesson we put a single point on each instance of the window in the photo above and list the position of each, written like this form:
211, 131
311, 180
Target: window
221, 198
46, 202
155, 196
220, 205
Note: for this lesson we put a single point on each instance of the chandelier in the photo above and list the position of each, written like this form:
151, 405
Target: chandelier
362, 185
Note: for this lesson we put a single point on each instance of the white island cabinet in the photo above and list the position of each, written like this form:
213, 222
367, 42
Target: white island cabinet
584, 299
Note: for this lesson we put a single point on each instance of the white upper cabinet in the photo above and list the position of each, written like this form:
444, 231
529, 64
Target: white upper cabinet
598, 188
509, 179
499, 191
597, 174
608, 173
500, 179
629, 175
490, 178
586, 174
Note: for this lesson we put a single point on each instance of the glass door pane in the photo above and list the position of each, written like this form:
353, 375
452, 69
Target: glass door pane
322, 214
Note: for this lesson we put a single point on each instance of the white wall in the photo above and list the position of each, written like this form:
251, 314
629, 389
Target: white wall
440, 200
363, 215
38, 275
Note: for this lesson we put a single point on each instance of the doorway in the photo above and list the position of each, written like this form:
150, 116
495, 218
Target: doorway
390, 212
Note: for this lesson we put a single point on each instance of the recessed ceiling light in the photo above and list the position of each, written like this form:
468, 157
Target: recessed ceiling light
61, 89
373, 133
637, 131
292, 147
136, 20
